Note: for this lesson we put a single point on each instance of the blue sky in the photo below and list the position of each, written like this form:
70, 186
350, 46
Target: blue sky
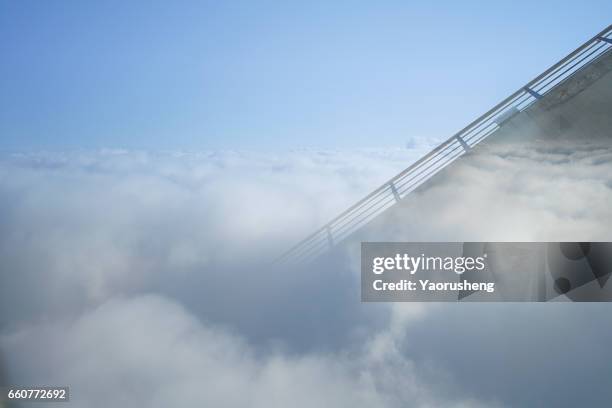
268, 75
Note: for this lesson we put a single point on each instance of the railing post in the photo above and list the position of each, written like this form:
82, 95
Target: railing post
394, 191
532, 93
466, 147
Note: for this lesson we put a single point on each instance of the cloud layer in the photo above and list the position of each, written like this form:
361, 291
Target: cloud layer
523, 354
136, 278
128, 276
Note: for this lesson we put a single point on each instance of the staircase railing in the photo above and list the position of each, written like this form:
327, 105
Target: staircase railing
457, 145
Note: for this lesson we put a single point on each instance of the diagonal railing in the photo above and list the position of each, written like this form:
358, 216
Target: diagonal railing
457, 145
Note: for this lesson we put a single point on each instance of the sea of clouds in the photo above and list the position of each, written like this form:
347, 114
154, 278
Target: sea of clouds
121, 272
136, 278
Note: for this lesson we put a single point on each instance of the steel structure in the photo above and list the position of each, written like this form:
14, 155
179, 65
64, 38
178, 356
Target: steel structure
395, 189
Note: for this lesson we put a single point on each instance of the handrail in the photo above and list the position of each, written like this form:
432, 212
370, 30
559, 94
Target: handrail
394, 189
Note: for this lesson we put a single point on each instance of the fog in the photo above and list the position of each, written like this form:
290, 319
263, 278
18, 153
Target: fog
140, 279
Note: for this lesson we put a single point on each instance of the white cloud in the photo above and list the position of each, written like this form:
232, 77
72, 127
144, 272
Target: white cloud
148, 351
106, 222
554, 190
86, 236
541, 191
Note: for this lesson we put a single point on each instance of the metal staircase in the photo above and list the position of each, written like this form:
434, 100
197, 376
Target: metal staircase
395, 189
